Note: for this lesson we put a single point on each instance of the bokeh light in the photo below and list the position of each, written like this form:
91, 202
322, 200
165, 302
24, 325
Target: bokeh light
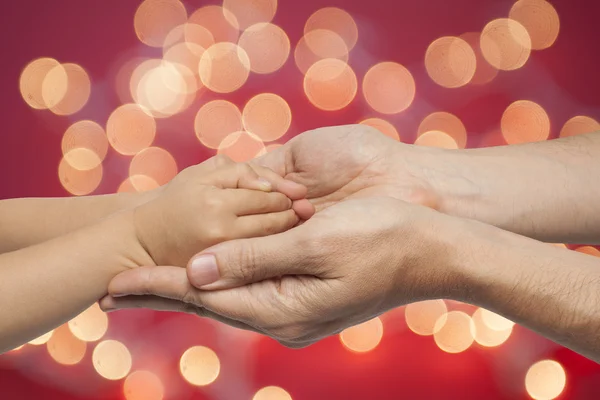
78, 182
450, 62
336, 20
323, 44
545, 380
445, 122
330, 84
525, 121
90, 325
267, 116
191, 34
589, 250
66, 89
505, 44
137, 183
267, 47
487, 336
219, 21
484, 71
579, 125
241, 146
200, 366
130, 129
436, 139
215, 121
421, 317
84, 145
164, 89
389, 88
112, 360
43, 339
64, 348
363, 337
224, 67
272, 393
382, 126
454, 332
156, 163
495, 321
250, 12
32, 79
143, 385
187, 55
154, 19
540, 19
272, 147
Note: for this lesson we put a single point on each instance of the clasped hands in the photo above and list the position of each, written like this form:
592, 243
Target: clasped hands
328, 231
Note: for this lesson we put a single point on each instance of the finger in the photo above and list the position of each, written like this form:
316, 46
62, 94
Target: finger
258, 225
164, 281
293, 190
239, 175
304, 209
249, 202
156, 303
239, 262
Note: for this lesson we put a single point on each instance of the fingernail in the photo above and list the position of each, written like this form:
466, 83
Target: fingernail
204, 270
264, 184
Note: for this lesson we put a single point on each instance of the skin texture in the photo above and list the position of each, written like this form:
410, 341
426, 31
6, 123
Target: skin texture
63, 276
372, 245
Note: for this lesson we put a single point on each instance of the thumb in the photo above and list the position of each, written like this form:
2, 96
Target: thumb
241, 262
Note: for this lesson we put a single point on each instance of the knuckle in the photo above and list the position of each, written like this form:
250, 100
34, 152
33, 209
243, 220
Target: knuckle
216, 233
246, 270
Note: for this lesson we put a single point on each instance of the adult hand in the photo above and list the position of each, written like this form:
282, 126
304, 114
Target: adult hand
348, 263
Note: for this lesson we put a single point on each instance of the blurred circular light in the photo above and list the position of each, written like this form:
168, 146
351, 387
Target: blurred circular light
224, 67
445, 122
389, 88
495, 321
241, 146
90, 325
188, 56
485, 335
137, 183
589, 250
450, 62
215, 121
66, 89
382, 126
154, 19
199, 365
76, 182
455, 332
32, 79
111, 360
163, 90
363, 337
155, 163
267, 47
250, 12
436, 139
65, 348
42, 339
336, 20
323, 44
579, 125
540, 19
330, 84
17, 348
505, 44
267, 116
219, 21
545, 380
84, 145
525, 121
143, 385
484, 71
130, 129
421, 317
189, 33
272, 393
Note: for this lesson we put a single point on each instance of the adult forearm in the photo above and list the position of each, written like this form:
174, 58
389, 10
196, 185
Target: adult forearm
545, 190
45, 285
25, 222
551, 290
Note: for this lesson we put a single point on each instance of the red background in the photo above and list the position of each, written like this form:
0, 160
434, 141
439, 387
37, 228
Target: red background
99, 36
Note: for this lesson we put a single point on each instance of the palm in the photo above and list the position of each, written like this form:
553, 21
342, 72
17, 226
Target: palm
345, 162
